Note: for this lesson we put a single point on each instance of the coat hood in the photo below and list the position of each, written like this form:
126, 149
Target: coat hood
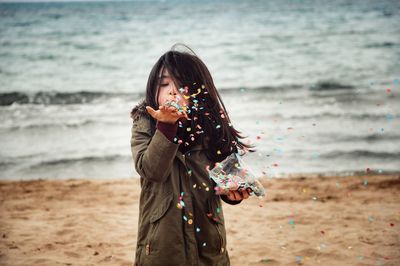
139, 110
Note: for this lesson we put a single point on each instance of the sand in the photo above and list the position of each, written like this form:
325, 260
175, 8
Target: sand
351, 220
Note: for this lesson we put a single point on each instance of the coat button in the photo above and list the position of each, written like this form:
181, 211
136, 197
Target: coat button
222, 250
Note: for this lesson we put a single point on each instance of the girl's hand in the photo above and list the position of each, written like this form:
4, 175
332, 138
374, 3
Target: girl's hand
239, 195
166, 114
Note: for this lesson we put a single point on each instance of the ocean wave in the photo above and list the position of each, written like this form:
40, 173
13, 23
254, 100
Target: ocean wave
266, 88
319, 86
84, 159
373, 137
381, 45
5, 164
354, 116
320, 116
54, 98
50, 125
361, 153
59, 98
330, 85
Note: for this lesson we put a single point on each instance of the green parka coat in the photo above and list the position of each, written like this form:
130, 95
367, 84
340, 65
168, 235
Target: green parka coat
181, 220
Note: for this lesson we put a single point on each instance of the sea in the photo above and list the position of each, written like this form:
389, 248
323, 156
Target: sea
313, 84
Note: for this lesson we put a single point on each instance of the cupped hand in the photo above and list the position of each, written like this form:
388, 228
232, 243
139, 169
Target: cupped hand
166, 114
237, 195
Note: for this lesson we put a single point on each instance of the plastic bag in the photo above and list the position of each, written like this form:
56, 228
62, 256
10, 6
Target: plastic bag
231, 174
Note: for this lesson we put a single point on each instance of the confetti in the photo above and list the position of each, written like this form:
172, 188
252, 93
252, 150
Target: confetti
291, 222
197, 229
176, 105
231, 175
389, 117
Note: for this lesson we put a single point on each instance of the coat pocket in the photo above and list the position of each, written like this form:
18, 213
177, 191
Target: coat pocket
215, 210
216, 216
154, 220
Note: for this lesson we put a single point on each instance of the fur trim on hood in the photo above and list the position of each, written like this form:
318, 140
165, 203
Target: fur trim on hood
139, 110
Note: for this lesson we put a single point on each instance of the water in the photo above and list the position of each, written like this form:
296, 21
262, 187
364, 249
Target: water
315, 84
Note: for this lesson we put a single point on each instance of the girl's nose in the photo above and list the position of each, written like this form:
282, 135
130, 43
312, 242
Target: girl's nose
172, 92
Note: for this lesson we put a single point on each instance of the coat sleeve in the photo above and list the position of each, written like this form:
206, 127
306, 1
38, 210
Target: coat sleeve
152, 155
231, 202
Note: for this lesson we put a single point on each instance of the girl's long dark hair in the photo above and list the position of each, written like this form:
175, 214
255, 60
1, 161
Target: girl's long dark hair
207, 113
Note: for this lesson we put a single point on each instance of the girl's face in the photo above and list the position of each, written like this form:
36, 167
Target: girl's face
169, 92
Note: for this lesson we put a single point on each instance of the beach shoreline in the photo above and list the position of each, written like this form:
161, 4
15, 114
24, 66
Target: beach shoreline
303, 220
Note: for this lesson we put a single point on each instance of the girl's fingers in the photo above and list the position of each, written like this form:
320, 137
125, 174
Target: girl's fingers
151, 111
231, 195
184, 114
245, 194
171, 108
236, 195
239, 195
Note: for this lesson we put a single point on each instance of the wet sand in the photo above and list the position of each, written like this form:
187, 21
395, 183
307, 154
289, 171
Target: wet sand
351, 220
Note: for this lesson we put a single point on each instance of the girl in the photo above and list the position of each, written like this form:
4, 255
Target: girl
179, 131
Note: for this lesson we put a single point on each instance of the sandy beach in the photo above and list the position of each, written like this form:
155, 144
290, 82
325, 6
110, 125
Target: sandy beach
351, 220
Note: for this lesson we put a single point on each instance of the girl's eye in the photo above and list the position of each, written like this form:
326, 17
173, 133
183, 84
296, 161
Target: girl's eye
163, 85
